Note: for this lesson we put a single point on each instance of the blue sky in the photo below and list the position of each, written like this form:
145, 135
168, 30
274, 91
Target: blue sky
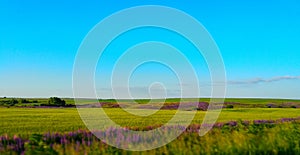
259, 42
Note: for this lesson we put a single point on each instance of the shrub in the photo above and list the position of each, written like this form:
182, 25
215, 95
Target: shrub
293, 106
12, 102
229, 106
271, 105
23, 101
56, 101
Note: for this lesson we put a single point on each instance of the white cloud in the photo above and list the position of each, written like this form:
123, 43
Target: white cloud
261, 80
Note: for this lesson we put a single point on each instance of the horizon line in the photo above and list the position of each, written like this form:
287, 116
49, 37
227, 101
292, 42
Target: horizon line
205, 97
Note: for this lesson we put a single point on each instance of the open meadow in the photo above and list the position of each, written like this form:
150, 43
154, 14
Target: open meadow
247, 126
22, 121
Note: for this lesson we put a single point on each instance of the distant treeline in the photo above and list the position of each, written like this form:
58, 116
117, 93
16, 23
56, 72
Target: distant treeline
52, 101
13, 101
170, 103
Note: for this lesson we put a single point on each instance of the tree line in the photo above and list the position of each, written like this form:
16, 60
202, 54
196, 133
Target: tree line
52, 101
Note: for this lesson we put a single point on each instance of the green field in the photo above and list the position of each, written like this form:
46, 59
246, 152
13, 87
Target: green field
244, 126
40, 120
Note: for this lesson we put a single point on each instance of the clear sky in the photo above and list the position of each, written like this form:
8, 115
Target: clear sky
259, 42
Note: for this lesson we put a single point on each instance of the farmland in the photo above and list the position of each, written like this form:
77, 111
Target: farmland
39, 120
32, 128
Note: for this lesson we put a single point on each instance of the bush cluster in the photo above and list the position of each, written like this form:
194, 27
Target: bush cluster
56, 101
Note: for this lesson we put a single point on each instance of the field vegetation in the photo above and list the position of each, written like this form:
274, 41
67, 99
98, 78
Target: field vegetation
234, 137
54, 126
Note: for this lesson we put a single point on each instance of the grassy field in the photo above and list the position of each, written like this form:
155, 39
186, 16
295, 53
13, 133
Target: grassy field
234, 137
249, 126
40, 120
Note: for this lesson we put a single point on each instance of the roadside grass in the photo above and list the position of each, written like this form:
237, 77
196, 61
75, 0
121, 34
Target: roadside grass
231, 138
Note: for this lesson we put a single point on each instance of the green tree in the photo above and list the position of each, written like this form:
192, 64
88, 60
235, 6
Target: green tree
56, 101
13, 101
23, 101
